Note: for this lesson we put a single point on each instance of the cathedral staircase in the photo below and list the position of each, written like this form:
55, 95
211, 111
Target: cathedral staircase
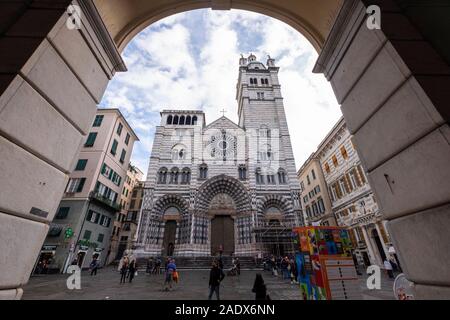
203, 263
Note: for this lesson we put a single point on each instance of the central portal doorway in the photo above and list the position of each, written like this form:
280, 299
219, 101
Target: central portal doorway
170, 230
222, 235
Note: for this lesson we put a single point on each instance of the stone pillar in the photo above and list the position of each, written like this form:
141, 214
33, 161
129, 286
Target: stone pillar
380, 236
393, 88
51, 80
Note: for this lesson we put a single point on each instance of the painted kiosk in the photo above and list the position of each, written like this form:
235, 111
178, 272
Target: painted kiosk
326, 270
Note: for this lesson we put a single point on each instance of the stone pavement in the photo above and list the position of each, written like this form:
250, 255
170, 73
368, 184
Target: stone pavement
193, 286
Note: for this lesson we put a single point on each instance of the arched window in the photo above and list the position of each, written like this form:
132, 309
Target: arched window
182, 118
203, 172
179, 152
174, 176
162, 176
242, 172
266, 81
175, 120
259, 176
169, 119
251, 80
194, 120
186, 176
188, 120
282, 176
265, 153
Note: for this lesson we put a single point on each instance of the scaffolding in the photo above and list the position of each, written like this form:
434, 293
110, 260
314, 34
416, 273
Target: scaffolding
275, 237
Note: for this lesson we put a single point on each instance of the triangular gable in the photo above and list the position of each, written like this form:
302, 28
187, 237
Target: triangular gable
222, 123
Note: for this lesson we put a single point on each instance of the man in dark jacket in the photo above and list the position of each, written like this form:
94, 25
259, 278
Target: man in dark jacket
216, 276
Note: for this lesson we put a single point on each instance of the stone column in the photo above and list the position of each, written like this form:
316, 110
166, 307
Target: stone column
393, 88
51, 79
380, 236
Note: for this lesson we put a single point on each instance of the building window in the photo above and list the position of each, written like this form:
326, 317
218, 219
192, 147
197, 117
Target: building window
122, 156
182, 119
81, 165
119, 129
308, 211
313, 174
259, 177
282, 176
106, 192
174, 176
321, 205
327, 168
91, 139
361, 174
194, 120
271, 179
162, 176
335, 161
62, 213
111, 175
242, 173
260, 95
203, 172
344, 153
100, 237
98, 120
186, 176
87, 235
308, 180
75, 185
114, 147
127, 139
175, 120
169, 119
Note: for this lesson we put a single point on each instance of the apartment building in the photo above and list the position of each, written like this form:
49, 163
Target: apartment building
315, 199
353, 203
83, 225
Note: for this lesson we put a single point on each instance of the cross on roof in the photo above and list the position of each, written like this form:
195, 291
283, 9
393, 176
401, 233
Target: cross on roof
223, 112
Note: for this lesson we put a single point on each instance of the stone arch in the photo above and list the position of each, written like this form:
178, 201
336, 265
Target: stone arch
284, 204
313, 19
222, 184
170, 200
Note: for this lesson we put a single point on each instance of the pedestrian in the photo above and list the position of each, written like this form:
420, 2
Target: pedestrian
388, 267
293, 271
158, 266
149, 265
170, 269
94, 266
123, 268
216, 276
132, 270
238, 266
259, 288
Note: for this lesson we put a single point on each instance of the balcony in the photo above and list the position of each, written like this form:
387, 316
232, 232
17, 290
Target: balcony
105, 201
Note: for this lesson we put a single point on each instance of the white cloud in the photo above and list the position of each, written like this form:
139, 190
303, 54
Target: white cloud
190, 61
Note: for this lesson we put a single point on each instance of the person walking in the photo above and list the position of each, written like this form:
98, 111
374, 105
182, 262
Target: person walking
150, 263
259, 288
123, 268
388, 267
216, 276
132, 269
94, 266
170, 269
238, 266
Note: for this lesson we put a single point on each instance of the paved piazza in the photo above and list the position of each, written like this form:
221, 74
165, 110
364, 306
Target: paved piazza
193, 286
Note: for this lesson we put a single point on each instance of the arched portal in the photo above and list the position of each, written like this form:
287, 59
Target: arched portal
125, 19
224, 200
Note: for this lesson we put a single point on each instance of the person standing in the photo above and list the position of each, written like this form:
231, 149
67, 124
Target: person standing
388, 267
94, 266
123, 268
149, 268
132, 270
259, 288
216, 276
170, 269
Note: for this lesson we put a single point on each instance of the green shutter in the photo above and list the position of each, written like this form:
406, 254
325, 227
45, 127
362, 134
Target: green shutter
114, 147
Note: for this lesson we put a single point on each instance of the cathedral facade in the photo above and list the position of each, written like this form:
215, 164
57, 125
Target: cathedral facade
224, 186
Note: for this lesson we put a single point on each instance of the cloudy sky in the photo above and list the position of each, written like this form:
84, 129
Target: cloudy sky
190, 61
